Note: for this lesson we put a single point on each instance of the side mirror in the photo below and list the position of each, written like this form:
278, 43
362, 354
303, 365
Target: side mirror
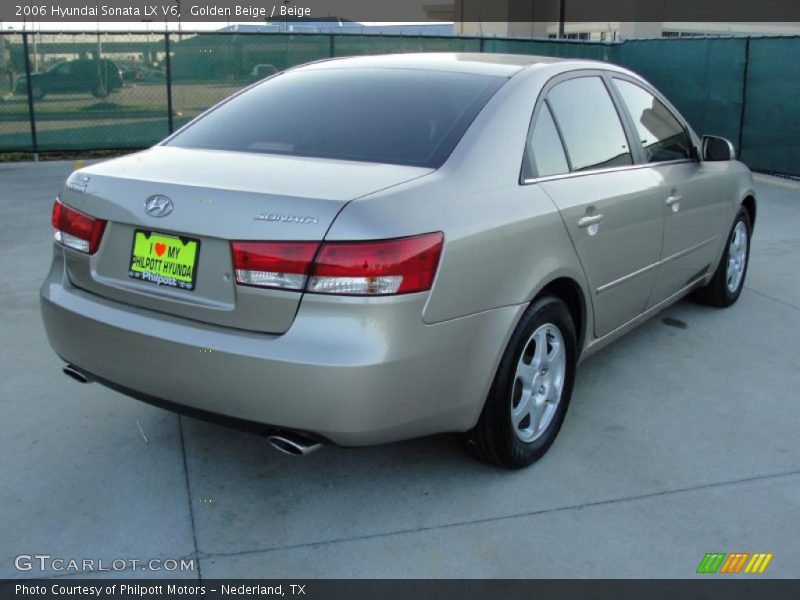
717, 148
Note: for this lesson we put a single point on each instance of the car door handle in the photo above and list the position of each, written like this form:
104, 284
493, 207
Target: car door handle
674, 202
589, 220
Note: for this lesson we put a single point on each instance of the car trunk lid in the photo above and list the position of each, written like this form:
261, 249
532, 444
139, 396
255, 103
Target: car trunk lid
215, 197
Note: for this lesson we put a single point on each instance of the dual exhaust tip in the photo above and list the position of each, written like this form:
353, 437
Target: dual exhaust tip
287, 443
292, 444
75, 374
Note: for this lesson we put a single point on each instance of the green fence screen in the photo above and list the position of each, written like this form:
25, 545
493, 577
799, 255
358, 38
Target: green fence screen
770, 138
129, 90
703, 78
15, 116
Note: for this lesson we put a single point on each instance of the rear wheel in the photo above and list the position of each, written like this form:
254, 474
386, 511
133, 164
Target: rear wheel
100, 92
37, 92
531, 391
728, 281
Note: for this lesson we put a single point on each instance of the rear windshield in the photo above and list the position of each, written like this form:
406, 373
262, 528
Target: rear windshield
397, 116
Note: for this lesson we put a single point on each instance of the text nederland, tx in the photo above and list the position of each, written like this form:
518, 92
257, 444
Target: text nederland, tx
126, 589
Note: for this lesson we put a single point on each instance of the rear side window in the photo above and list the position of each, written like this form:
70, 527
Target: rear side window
544, 154
396, 116
661, 134
589, 123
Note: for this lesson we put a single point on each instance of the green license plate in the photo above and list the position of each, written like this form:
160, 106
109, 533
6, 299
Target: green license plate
163, 259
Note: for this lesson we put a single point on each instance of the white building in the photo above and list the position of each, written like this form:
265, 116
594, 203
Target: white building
621, 30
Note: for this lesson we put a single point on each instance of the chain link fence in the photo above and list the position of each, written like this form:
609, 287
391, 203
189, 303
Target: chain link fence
111, 91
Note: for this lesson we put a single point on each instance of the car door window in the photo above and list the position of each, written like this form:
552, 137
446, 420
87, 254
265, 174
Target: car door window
544, 154
589, 124
662, 135
63, 69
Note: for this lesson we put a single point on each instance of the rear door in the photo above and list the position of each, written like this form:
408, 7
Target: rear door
63, 76
580, 154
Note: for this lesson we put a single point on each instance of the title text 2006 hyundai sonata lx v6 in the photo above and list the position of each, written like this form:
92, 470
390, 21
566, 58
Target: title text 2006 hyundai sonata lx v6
370, 249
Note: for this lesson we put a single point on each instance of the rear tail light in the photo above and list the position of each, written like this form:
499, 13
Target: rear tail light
282, 265
398, 266
379, 268
76, 230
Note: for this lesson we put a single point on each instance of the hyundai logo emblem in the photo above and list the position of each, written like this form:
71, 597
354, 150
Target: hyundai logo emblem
158, 206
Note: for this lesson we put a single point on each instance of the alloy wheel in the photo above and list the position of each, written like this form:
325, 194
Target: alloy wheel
538, 383
737, 257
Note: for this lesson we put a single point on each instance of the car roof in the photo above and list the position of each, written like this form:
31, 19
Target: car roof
505, 65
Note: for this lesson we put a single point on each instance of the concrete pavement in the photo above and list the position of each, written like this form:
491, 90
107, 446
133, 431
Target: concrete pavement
679, 441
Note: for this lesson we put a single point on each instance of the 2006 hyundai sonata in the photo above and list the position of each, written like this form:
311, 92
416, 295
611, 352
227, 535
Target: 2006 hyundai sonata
370, 249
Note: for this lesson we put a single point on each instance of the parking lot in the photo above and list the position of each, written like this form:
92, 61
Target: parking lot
136, 113
682, 439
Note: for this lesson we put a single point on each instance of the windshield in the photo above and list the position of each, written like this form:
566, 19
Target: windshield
396, 116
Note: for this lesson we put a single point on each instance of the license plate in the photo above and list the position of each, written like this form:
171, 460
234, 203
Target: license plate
163, 259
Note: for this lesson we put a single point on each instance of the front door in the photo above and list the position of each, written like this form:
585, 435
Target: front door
694, 208
692, 199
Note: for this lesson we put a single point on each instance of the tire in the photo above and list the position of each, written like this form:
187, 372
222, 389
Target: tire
726, 285
100, 92
37, 93
503, 437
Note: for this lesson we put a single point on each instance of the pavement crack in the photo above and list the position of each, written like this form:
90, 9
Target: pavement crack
533, 513
762, 294
189, 497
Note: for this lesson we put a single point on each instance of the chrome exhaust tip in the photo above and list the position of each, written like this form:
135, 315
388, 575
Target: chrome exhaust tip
293, 445
75, 374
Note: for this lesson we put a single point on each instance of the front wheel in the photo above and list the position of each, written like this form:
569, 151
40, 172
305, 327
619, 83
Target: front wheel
100, 92
531, 391
726, 285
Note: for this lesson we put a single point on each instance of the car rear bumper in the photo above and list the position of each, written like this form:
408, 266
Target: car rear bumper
351, 371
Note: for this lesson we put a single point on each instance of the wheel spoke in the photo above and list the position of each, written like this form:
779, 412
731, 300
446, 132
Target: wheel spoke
540, 357
523, 408
555, 352
527, 373
537, 416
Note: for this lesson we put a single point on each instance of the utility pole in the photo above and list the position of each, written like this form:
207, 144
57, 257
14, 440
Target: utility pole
35, 50
102, 73
180, 29
31, 108
5, 59
561, 9
286, 32
147, 59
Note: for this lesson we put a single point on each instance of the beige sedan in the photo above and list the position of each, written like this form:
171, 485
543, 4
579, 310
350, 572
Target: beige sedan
369, 249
